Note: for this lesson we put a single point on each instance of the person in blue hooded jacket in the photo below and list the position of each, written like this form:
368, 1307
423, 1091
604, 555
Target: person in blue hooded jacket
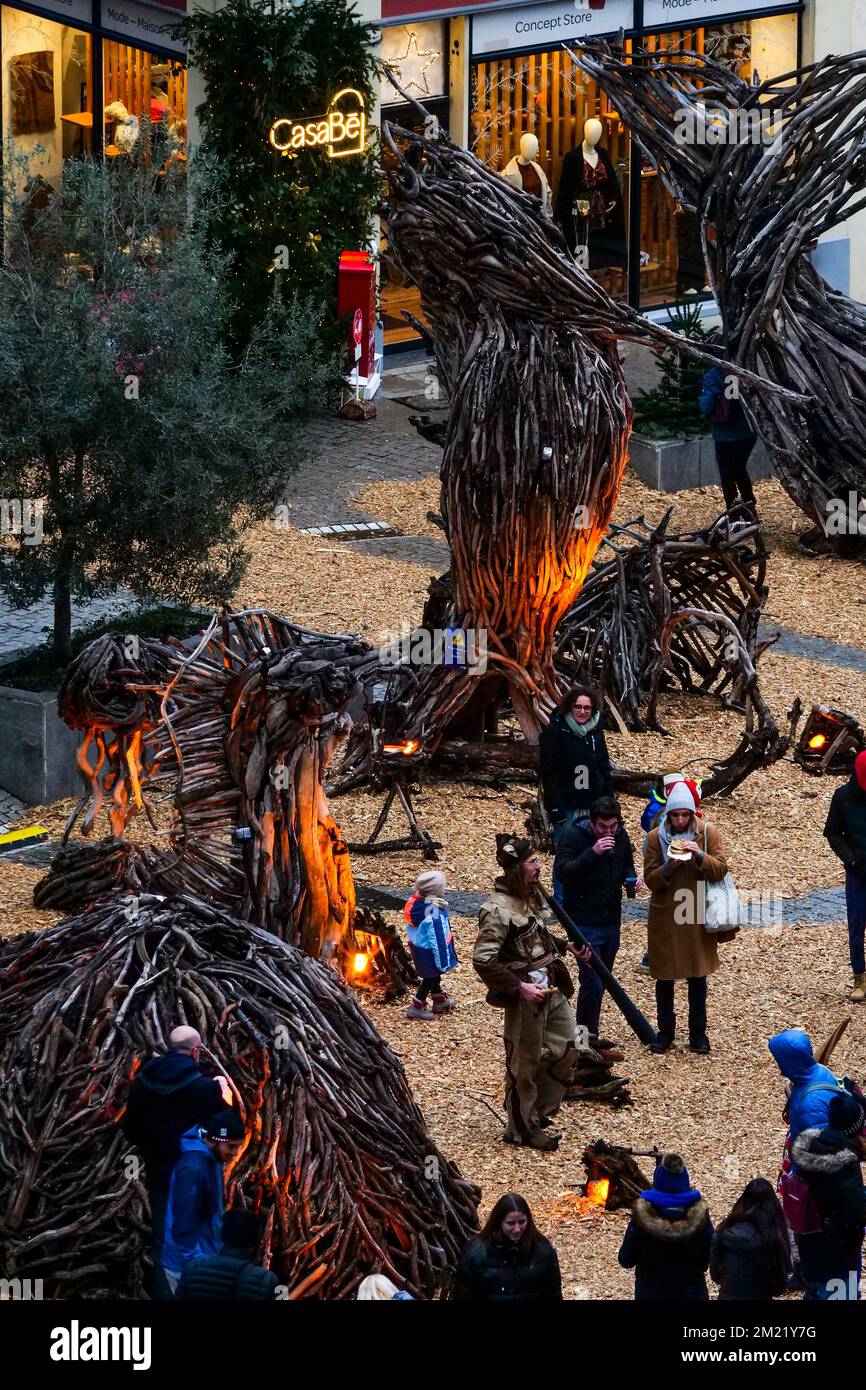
431, 944
733, 437
812, 1084
193, 1219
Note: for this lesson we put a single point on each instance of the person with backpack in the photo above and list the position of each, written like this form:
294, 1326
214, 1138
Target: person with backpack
845, 833
751, 1256
733, 437
812, 1085
830, 1160
431, 944
668, 1239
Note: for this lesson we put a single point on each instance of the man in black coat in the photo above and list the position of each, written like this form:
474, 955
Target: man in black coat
234, 1272
845, 833
168, 1095
594, 861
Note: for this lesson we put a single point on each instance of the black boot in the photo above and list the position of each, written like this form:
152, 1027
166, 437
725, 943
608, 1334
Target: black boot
663, 1043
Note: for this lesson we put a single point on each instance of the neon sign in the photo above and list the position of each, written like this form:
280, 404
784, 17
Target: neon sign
341, 132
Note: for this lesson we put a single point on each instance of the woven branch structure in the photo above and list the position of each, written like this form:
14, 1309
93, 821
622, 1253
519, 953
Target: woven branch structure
762, 203
337, 1155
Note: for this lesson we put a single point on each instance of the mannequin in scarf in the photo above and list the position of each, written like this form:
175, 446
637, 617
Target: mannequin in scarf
574, 764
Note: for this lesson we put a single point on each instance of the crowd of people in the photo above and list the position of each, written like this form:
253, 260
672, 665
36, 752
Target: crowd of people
805, 1231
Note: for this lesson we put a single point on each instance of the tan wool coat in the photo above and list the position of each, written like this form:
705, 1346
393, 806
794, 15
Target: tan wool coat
679, 946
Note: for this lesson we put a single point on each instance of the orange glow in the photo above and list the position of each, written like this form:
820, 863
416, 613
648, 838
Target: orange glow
818, 741
593, 1200
407, 748
596, 1192
360, 962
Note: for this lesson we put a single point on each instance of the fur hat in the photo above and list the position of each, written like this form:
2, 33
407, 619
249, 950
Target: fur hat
512, 849
680, 799
845, 1114
671, 1175
430, 883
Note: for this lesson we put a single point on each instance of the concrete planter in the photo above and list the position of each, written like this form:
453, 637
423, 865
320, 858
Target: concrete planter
37, 750
674, 465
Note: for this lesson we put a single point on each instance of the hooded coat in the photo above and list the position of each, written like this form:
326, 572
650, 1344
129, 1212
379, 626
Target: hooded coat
812, 1084
831, 1166
168, 1096
679, 946
193, 1218
669, 1251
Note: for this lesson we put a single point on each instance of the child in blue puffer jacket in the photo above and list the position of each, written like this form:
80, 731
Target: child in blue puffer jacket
431, 944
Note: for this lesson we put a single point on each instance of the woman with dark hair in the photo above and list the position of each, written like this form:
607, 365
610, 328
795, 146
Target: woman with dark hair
510, 1259
751, 1254
574, 763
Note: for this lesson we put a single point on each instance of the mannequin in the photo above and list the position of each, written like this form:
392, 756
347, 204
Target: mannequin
524, 171
589, 204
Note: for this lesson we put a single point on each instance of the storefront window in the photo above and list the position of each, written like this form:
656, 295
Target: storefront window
145, 103
672, 262
47, 101
417, 55
547, 96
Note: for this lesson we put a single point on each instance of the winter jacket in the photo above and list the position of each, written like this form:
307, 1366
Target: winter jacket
593, 883
679, 947
229, 1275
562, 754
194, 1213
738, 1264
514, 938
813, 1085
831, 1167
737, 425
845, 830
168, 1096
669, 1251
499, 1271
430, 940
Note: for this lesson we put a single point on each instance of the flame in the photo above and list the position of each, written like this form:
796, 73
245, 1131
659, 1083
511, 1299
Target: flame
407, 747
593, 1199
596, 1192
360, 961
818, 741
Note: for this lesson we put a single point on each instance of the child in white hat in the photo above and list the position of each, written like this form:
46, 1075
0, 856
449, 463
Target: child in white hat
431, 944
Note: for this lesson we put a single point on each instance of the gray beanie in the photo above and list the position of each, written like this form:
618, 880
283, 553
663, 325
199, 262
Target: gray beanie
430, 884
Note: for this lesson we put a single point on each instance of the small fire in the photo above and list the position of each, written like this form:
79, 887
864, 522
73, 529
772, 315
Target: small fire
360, 962
593, 1198
597, 1190
407, 747
818, 741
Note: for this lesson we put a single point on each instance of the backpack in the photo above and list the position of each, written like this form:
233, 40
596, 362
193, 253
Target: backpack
795, 1192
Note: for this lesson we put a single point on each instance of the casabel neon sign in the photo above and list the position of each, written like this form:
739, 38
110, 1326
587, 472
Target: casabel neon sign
340, 132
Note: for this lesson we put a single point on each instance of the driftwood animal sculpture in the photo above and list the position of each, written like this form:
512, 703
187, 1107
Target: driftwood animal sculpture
337, 1155
792, 166
237, 735
539, 423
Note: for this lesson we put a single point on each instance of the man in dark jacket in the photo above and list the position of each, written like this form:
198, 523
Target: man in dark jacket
668, 1239
845, 833
194, 1212
233, 1273
594, 860
168, 1095
829, 1159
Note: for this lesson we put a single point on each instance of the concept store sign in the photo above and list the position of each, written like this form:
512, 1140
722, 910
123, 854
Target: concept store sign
697, 11
341, 131
505, 30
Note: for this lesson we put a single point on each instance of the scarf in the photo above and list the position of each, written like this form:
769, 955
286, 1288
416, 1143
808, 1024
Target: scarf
696, 832
667, 1201
583, 730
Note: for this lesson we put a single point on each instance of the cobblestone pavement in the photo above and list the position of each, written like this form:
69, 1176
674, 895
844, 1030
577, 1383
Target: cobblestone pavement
24, 628
10, 810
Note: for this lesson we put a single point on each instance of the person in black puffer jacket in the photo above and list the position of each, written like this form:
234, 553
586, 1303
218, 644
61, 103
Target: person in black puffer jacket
667, 1241
510, 1260
574, 763
845, 833
233, 1273
751, 1253
829, 1159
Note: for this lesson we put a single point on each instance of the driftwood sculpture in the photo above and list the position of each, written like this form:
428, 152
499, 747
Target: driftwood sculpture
337, 1156
538, 429
792, 167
